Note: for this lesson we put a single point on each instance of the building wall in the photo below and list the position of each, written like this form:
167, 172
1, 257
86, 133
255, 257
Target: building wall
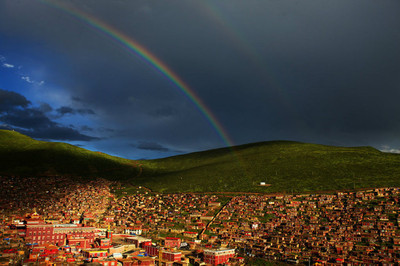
48, 233
172, 242
95, 254
151, 250
216, 257
171, 256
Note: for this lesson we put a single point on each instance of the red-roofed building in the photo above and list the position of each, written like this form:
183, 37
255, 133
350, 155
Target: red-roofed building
151, 250
219, 256
171, 256
171, 242
37, 231
94, 253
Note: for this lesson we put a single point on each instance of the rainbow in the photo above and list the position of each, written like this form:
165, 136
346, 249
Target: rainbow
136, 49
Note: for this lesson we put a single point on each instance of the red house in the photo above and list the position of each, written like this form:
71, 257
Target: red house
37, 231
151, 250
172, 242
219, 256
94, 253
171, 256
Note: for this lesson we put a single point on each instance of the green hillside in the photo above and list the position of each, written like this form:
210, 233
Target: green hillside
286, 166
21, 155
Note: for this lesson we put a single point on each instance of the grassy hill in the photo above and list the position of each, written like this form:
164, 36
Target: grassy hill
287, 166
21, 155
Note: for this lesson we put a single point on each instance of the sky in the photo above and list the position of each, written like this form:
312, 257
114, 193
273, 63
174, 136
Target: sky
144, 79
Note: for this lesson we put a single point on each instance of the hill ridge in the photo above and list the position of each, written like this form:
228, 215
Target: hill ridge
286, 165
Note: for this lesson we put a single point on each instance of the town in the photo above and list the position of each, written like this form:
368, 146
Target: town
58, 220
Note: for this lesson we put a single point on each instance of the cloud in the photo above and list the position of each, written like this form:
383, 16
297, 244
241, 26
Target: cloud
151, 146
85, 111
58, 132
10, 100
5, 126
389, 149
29, 80
23, 76
65, 110
28, 118
45, 107
8, 65
16, 113
86, 128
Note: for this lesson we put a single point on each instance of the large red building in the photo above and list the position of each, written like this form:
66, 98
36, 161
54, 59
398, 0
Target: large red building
219, 256
152, 251
171, 256
37, 231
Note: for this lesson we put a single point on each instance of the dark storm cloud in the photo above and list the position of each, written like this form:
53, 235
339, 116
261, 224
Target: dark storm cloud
85, 111
57, 132
27, 118
63, 110
16, 113
312, 70
86, 128
11, 100
45, 108
152, 146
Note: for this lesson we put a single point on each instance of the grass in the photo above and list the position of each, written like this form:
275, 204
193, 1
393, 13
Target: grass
287, 166
21, 155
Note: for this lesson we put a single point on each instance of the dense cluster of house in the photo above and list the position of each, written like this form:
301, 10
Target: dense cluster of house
61, 220
55, 244
59, 199
67, 221
344, 227
162, 214
45, 243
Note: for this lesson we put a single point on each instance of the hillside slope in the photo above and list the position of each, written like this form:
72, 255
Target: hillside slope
286, 166
21, 155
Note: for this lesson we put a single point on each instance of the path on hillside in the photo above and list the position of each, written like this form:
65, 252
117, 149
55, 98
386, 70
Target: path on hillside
212, 220
137, 165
